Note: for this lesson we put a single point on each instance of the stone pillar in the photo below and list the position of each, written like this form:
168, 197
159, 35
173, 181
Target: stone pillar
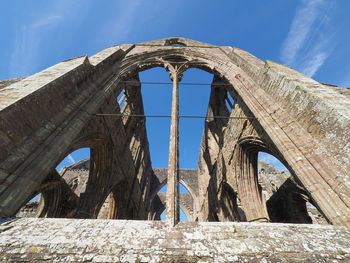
172, 214
253, 203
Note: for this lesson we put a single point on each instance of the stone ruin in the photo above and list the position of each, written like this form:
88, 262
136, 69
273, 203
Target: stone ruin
239, 209
278, 187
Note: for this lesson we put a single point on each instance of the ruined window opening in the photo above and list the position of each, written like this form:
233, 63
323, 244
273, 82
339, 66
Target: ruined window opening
271, 160
158, 129
286, 201
193, 100
121, 99
30, 209
35, 198
228, 106
315, 214
73, 158
271, 174
157, 101
183, 217
174, 42
229, 101
178, 44
54, 190
182, 190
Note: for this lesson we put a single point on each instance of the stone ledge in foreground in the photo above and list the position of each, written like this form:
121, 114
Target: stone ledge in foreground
89, 240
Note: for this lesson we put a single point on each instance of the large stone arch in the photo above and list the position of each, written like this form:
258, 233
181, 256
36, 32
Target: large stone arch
310, 134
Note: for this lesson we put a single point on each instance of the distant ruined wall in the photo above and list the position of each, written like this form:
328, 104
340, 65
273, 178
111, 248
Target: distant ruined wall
276, 187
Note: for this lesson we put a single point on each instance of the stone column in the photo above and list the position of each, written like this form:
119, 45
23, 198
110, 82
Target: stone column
172, 214
253, 203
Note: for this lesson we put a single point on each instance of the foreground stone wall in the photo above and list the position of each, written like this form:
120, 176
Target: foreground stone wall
75, 240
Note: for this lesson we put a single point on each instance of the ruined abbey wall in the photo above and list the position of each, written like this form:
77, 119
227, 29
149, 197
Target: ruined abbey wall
254, 107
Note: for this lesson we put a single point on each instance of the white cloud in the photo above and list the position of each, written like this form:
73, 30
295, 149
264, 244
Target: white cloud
71, 159
118, 27
315, 63
25, 57
27, 44
307, 44
47, 20
299, 30
24, 51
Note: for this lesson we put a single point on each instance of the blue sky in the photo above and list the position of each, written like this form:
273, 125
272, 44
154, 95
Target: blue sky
312, 36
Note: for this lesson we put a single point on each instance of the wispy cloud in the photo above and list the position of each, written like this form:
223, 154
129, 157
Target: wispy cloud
29, 37
117, 28
71, 159
27, 41
138, 21
307, 44
315, 62
47, 20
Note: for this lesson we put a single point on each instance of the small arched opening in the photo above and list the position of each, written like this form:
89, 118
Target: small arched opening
175, 42
286, 200
186, 204
58, 194
117, 204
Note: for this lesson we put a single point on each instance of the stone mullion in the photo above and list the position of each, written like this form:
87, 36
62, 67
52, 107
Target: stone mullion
172, 214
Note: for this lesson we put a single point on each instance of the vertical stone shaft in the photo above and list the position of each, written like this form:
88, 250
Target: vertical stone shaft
172, 214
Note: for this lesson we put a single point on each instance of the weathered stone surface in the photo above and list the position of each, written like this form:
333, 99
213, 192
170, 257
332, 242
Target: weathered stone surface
8, 82
72, 240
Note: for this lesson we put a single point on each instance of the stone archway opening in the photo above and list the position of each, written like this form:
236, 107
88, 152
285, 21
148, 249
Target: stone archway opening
117, 205
31, 208
75, 158
156, 99
183, 217
193, 103
194, 92
286, 200
185, 204
58, 194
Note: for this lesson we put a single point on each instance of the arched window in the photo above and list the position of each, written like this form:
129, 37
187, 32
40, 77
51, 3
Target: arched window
286, 200
58, 194
183, 191
174, 42
183, 217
